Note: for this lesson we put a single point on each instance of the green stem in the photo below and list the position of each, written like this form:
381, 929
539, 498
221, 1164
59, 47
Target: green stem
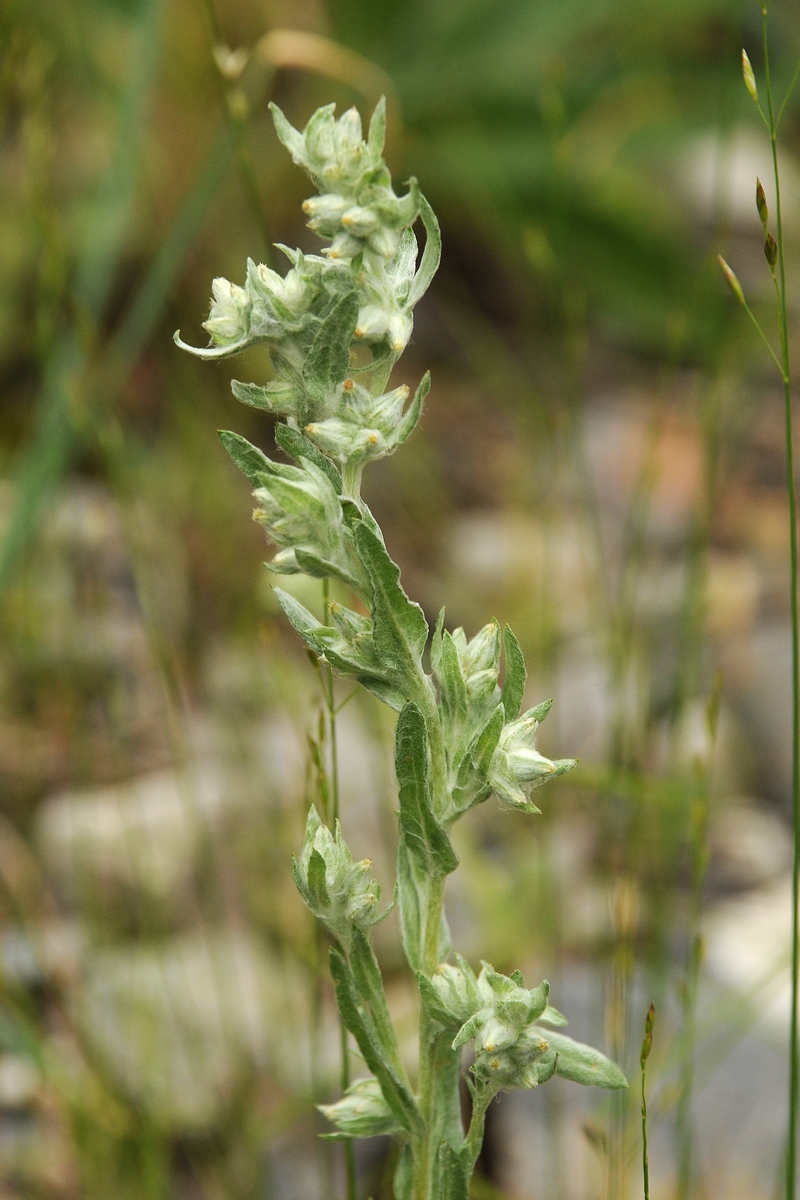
480, 1103
330, 703
351, 479
794, 1047
425, 1149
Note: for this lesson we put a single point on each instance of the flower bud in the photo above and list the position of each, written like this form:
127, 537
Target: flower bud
360, 221
372, 323
344, 247
509, 1048
479, 659
228, 320
456, 990
517, 767
399, 329
362, 1111
301, 512
325, 213
339, 892
384, 241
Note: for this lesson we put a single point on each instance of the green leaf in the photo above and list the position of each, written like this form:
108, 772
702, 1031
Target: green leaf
395, 1091
411, 906
297, 446
376, 137
276, 397
251, 461
425, 839
400, 628
584, 1064
328, 360
414, 410
404, 1174
431, 255
553, 1017
323, 568
317, 886
514, 682
432, 1004
453, 1175
382, 691
367, 975
292, 139
454, 690
304, 622
486, 742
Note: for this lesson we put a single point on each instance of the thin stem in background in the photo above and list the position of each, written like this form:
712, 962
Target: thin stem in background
647, 1046
691, 984
794, 1061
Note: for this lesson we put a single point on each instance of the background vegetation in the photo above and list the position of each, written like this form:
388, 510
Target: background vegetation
600, 464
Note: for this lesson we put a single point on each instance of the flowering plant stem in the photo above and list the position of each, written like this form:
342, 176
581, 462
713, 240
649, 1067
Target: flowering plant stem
774, 251
335, 325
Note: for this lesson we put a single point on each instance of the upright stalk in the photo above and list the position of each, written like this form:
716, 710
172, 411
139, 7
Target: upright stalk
794, 1047
460, 735
326, 677
774, 252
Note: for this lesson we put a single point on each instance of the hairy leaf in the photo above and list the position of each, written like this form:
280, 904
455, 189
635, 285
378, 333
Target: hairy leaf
298, 446
367, 975
514, 682
400, 628
395, 1091
328, 360
411, 906
584, 1064
425, 839
251, 461
431, 255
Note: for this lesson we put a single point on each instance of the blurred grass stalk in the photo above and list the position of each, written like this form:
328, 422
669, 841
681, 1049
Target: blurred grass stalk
774, 252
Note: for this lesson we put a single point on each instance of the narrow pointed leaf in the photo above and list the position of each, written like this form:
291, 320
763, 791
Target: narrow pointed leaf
377, 130
425, 839
300, 618
414, 410
400, 628
251, 461
431, 255
297, 446
410, 906
584, 1064
514, 682
454, 690
367, 975
395, 1092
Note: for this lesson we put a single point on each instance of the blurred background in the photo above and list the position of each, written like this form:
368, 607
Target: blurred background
600, 464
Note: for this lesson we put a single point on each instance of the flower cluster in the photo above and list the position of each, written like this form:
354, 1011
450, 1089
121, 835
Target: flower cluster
500, 1018
517, 767
302, 514
362, 1112
357, 207
339, 891
361, 292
